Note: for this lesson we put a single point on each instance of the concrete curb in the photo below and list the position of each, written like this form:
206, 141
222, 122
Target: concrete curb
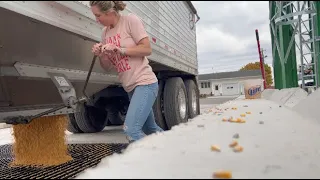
3, 126
288, 97
309, 107
267, 93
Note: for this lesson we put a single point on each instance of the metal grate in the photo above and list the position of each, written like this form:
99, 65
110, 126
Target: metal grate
84, 156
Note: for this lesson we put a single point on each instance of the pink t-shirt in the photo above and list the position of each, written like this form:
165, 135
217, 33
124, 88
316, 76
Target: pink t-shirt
132, 71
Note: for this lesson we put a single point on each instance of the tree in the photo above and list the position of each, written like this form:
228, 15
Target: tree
255, 66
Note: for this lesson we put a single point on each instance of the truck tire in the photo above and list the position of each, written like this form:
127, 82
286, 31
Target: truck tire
90, 119
175, 102
116, 116
72, 125
192, 92
158, 108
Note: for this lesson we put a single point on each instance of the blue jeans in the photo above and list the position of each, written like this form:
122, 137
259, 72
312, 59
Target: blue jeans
140, 119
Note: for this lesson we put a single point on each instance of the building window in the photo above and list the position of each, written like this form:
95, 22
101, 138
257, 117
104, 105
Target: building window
217, 87
205, 85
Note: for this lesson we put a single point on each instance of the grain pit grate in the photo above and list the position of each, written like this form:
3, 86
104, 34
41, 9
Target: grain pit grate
84, 156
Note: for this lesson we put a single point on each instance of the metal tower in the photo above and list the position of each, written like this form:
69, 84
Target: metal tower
294, 34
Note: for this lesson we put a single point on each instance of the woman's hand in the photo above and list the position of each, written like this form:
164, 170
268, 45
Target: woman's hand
96, 49
109, 49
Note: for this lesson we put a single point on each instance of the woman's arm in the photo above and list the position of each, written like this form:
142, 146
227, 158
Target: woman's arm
105, 62
143, 48
140, 37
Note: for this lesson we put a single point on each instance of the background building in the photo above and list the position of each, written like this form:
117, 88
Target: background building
226, 83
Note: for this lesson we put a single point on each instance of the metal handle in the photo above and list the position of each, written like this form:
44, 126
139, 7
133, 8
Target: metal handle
88, 76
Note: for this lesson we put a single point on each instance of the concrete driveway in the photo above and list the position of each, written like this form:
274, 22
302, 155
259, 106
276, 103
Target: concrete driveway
210, 102
216, 100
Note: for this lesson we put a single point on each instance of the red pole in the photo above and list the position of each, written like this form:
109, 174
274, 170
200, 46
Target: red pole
261, 61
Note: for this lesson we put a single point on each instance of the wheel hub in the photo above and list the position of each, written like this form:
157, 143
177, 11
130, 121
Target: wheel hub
194, 101
182, 104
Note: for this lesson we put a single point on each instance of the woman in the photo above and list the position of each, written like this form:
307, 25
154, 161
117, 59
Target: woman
125, 45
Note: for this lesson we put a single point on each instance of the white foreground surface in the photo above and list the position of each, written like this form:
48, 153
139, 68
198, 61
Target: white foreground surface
278, 143
285, 145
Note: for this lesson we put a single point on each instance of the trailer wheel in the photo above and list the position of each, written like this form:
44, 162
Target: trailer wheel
90, 119
158, 108
193, 97
175, 102
72, 125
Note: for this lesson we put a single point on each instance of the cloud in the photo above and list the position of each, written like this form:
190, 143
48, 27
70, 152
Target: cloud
226, 38
213, 38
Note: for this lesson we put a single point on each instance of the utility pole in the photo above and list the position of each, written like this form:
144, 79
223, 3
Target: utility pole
261, 63
262, 55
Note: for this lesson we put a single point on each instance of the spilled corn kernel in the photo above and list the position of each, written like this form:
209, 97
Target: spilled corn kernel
239, 120
232, 120
222, 174
243, 115
234, 143
215, 148
238, 148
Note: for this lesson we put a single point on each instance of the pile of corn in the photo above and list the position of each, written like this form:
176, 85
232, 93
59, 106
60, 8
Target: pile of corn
41, 143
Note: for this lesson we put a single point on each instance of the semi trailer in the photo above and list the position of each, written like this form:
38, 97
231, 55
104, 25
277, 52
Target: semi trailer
47, 67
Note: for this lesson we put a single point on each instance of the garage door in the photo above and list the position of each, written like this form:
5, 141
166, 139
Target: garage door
230, 89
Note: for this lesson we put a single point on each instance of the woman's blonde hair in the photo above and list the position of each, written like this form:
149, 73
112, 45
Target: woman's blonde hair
107, 5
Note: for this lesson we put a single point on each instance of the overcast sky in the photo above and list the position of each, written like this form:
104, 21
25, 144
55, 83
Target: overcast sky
226, 34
